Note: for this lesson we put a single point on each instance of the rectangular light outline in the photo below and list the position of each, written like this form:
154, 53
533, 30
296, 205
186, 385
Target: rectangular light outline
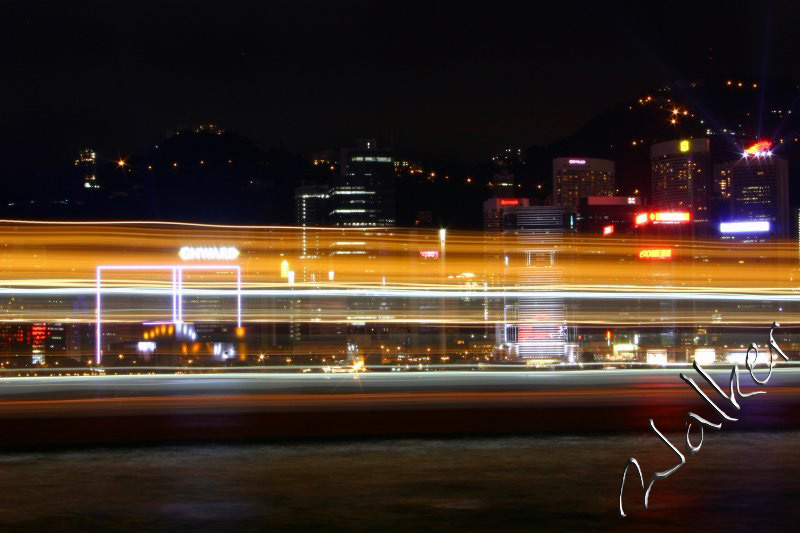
177, 293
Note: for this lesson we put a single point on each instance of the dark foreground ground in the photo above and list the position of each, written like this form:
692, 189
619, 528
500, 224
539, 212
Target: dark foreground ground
740, 481
451, 452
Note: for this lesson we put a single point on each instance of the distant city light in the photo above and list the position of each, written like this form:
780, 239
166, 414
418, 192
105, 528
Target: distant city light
705, 356
751, 226
121, 163
146, 346
656, 253
608, 230
656, 357
758, 149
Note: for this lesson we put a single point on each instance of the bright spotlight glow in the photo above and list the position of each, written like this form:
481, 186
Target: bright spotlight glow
758, 149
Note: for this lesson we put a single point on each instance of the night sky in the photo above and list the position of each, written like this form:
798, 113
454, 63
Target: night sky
452, 81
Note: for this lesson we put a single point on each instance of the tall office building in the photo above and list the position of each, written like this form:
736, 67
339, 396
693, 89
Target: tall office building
575, 178
363, 194
310, 210
760, 193
536, 327
87, 168
681, 173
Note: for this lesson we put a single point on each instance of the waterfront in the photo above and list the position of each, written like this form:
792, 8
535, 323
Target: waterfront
739, 481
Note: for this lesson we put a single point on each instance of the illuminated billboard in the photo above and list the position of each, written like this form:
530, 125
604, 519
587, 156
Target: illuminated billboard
608, 230
656, 253
208, 253
663, 217
429, 254
758, 149
748, 226
506, 202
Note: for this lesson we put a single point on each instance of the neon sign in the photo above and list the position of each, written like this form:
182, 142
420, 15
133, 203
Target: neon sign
656, 253
208, 253
758, 149
663, 217
429, 254
577, 161
509, 201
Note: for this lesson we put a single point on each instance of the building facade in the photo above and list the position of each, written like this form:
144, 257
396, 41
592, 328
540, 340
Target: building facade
363, 193
681, 174
535, 328
575, 178
608, 215
760, 193
87, 168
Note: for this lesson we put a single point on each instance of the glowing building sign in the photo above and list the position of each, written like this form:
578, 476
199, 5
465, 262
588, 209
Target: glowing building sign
505, 202
429, 254
684, 146
759, 149
608, 230
663, 217
752, 226
656, 253
208, 253
577, 161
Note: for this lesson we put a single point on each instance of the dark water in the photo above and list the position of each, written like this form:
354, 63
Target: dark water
738, 481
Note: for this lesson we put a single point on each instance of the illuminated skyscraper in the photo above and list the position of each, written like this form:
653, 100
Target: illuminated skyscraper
575, 178
681, 172
536, 327
760, 192
363, 194
311, 206
87, 167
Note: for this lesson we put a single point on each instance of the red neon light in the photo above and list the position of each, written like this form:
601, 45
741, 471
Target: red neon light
509, 201
758, 148
656, 253
429, 254
608, 230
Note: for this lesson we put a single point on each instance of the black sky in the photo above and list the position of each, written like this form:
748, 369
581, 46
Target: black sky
446, 80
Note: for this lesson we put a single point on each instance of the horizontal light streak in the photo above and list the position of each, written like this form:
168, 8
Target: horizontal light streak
421, 294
